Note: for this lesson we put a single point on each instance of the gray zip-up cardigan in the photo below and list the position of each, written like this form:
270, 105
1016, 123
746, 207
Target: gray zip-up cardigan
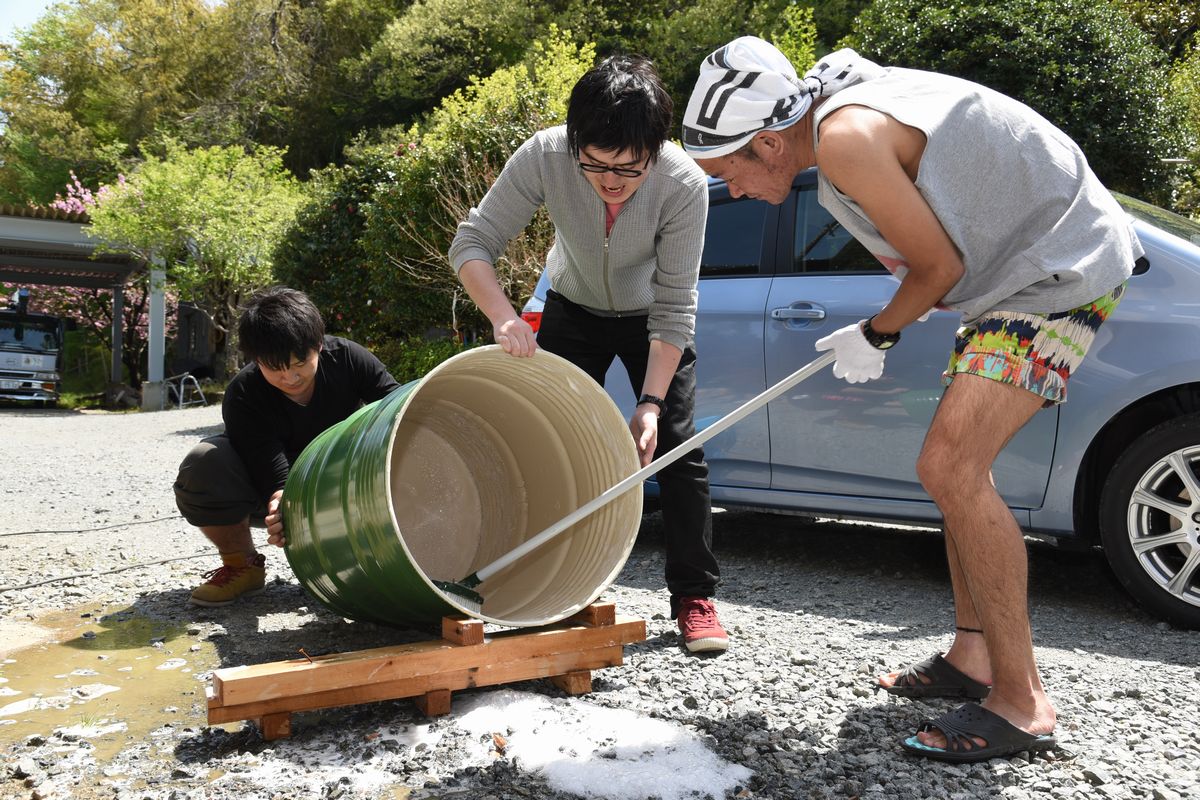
649, 263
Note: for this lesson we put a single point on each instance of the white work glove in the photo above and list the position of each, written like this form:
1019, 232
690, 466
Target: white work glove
857, 361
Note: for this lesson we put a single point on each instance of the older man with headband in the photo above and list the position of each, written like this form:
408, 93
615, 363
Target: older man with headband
978, 205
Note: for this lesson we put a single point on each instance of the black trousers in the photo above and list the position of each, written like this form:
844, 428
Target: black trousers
590, 342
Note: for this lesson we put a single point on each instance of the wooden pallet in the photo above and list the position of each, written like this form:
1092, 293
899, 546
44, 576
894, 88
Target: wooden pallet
566, 653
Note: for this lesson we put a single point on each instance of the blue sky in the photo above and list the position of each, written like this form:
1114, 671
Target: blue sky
19, 14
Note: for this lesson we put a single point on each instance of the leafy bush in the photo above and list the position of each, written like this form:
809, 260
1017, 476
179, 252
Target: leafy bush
796, 37
412, 358
446, 165
322, 253
1083, 65
1172, 24
834, 20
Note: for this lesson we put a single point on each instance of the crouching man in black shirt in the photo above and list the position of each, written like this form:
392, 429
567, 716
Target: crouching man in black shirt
298, 382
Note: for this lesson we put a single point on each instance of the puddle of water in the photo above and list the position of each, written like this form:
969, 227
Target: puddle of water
109, 677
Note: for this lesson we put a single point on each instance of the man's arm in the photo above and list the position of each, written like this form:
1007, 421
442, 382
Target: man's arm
672, 319
253, 437
680, 243
874, 159
503, 213
660, 371
262, 452
508, 329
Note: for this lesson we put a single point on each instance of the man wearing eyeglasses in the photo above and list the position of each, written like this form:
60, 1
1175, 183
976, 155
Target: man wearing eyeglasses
628, 209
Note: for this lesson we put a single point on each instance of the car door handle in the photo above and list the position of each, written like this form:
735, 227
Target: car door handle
797, 313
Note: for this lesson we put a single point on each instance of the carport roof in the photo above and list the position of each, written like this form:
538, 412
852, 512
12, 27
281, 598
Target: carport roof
48, 246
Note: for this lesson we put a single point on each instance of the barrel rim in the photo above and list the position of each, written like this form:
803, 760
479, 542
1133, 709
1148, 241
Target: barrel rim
449, 363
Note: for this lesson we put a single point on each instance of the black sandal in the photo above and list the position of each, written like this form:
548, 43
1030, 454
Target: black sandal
969, 722
945, 680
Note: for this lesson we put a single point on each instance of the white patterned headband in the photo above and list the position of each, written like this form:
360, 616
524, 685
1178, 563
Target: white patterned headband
749, 86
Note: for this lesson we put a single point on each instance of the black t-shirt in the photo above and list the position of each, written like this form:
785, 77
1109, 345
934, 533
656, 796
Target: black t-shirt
269, 431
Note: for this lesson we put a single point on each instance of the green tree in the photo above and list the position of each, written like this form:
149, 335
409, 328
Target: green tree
289, 79
338, 103
1082, 64
1185, 84
677, 36
1172, 24
435, 46
92, 84
213, 216
85, 83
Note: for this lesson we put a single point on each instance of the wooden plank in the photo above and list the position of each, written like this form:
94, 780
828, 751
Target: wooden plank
462, 630
576, 682
597, 614
264, 682
434, 704
480, 675
275, 726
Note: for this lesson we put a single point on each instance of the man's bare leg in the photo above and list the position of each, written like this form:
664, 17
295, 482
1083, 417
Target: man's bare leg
968, 653
974, 421
233, 538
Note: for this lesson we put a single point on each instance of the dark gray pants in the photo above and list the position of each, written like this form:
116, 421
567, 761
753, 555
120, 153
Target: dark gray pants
214, 488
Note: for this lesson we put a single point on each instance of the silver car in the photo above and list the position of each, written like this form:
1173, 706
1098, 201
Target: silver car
1117, 466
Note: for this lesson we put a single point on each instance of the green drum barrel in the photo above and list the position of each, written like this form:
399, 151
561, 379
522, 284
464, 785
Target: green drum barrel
448, 473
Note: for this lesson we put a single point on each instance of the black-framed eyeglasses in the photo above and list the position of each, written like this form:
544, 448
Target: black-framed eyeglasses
624, 172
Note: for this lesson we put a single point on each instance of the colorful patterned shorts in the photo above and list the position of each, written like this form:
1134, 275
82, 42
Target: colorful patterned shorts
1037, 352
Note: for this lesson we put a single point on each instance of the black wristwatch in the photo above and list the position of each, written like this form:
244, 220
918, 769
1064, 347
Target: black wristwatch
658, 401
880, 341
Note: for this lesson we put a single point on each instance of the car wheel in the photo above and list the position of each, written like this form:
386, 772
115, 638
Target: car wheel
1150, 520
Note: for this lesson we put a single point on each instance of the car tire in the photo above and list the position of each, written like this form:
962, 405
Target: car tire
1150, 520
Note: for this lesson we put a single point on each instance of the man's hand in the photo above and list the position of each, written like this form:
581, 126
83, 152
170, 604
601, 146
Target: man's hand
516, 337
857, 361
274, 520
644, 427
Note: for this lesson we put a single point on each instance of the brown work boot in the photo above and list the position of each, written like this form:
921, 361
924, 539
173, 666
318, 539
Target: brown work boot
238, 577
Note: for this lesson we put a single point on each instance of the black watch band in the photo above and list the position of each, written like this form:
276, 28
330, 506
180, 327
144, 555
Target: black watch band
658, 401
880, 341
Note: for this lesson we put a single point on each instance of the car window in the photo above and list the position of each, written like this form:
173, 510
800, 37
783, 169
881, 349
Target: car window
823, 245
1169, 221
733, 238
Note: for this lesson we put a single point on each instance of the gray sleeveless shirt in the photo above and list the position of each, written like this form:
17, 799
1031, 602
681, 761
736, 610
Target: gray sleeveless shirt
1036, 229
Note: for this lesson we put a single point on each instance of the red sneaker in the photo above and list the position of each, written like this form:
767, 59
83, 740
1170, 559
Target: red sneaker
702, 631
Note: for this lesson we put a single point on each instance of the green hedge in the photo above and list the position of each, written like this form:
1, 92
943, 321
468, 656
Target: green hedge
411, 359
1082, 64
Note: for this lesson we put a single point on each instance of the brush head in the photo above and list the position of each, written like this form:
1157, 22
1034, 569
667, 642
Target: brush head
463, 593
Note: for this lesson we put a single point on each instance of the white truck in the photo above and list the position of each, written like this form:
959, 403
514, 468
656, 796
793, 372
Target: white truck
30, 352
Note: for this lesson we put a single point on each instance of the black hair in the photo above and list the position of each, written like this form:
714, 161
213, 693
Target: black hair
279, 325
620, 104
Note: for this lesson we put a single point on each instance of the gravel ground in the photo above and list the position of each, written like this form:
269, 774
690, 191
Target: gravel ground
815, 609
